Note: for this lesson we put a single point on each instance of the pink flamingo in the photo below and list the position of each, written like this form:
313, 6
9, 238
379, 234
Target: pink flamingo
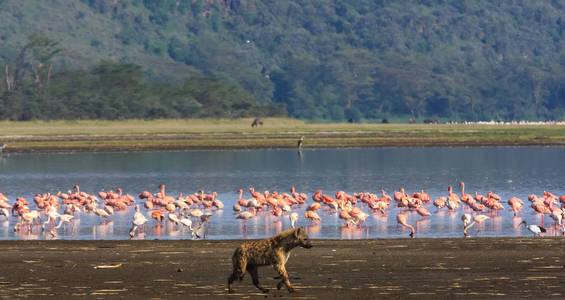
516, 205
422, 211
478, 219
245, 215
312, 215
464, 197
401, 219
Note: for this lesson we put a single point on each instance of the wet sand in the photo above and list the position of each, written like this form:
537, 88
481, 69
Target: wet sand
476, 268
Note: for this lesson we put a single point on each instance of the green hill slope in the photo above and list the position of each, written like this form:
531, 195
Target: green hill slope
320, 59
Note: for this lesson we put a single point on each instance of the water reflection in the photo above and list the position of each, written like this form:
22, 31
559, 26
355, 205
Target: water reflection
510, 172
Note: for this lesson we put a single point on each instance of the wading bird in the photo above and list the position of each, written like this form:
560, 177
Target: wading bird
535, 229
478, 219
300, 142
401, 219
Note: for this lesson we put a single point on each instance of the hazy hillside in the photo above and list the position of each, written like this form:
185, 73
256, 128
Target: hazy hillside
322, 59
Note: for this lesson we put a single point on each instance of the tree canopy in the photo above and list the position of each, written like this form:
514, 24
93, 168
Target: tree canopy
311, 59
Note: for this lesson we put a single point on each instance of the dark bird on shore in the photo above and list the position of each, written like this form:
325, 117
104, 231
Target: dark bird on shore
535, 229
300, 142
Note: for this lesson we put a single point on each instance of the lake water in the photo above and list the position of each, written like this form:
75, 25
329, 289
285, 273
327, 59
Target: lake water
508, 171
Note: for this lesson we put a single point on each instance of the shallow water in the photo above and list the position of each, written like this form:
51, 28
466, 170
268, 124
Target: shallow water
508, 171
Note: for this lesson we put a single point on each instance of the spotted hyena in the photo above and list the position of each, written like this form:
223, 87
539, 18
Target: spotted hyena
272, 251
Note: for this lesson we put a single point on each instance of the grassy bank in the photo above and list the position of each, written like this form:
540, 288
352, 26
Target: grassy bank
139, 135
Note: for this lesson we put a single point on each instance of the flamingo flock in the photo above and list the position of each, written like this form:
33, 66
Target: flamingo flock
68, 206
194, 211
476, 208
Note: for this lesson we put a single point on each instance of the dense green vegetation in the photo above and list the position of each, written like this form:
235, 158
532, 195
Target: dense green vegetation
312, 59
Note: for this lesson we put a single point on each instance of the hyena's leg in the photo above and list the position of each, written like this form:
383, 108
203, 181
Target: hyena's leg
255, 277
239, 265
282, 271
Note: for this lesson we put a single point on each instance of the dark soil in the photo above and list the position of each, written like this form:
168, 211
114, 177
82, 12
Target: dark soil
333, 269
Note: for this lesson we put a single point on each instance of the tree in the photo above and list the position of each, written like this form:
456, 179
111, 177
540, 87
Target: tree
353, 71
36, 57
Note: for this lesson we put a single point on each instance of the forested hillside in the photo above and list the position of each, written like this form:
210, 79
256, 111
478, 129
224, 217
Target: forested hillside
310, 59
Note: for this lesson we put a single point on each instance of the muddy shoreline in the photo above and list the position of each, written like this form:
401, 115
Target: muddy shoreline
128, 144
475, 268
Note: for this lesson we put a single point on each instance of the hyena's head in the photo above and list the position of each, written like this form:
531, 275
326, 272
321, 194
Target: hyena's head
302, 238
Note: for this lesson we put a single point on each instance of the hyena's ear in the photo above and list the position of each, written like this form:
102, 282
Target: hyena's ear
297, 231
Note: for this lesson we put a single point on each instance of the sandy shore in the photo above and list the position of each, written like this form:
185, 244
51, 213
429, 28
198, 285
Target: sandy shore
333, 269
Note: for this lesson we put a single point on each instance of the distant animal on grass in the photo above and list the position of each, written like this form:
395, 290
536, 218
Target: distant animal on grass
257, 122
273, 251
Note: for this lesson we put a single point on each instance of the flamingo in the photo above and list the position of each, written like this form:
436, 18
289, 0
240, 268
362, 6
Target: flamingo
452, 199
315, 206
384, 196
293, 218
464, 197
258, 196
312, 215
361, 217
422, 211
52, 216
478, 219
245, 215
401, 219
466, 218
64, 219
186, 222
344, 214
399, 195
197, 213
158, 215
182, 205
516, 205
173, 218
539, 207
440, 202
557, 217
101, 213
317, 196
137, 222
166, 199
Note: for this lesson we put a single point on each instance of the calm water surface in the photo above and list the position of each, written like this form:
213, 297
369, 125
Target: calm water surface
508, 171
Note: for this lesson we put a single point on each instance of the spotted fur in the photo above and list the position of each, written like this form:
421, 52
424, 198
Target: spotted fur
273, 251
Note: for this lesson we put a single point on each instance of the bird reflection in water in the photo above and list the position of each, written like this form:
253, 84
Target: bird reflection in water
105, 229
353, 231
158, 229
423, 225
277, 226
313, 230
140, 236
27, 234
